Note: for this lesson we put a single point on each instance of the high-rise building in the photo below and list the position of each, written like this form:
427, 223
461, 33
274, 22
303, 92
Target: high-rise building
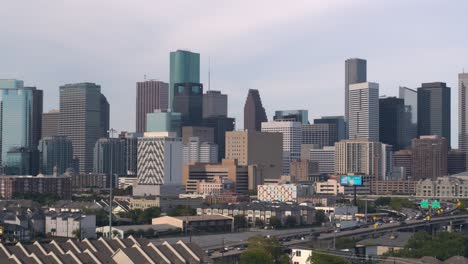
463, 114
150, 95
184, 68
188, 101
319, 135
50, 123
254, 113
304, 171
56, 153
429, 157
325, 158
391, 122
434, 110
83, 119
359, 156
220, 126
456, 161
21, 120
256, 148
196, 150
163, 121
110, 156
292, 140
404, 159
410, 122
338, 123
363, 121
301, 116
204, 134
215, 104
355, 72
131, 151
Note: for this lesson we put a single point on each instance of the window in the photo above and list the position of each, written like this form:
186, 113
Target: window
298, 253
295, 262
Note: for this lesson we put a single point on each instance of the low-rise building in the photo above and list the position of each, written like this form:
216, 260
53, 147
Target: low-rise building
40, 184
283, 192
70, 225
92, 182
386, 243
381, 187
210, 223
455, 186
329, 187
123, 231
163, 202
301, 255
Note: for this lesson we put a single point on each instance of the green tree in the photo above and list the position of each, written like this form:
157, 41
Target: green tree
240, 221
131, 232
77, 233
255, 256
259, 223
320, 217
150, 232
182, 210
382, 201
275, 222
271, 245
345, 242
326, 258
290, 221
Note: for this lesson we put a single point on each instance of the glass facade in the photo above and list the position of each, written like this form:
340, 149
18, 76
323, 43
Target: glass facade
301, 116
164, 122
184, 68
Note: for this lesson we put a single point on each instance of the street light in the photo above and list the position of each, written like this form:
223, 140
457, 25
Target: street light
111, 174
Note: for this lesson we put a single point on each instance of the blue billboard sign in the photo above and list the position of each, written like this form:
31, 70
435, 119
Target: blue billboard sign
349, 180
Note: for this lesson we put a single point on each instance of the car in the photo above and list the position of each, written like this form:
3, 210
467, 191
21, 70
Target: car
241, 247
228, 248
209, 252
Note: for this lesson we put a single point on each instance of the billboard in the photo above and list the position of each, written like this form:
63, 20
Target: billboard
350, 180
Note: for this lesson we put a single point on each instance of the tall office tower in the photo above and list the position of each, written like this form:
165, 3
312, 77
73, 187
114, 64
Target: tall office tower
304, 171
20, 127
386, 158
50, 123
184, 68
254, 113
363, 119
163, 121
355, 72
188, 101
110, 156
404, 159
391, 122
456, 161
337, 121
83, 120
131, 151
257, 148
319, 135
463, 114
410, 122
150, 95
204, 134
325, 158
198, 151
220, 126
434, 110
301, 116
159, 162
55, 152
429, 157
105, 116
292, 140
215, 104
360, 156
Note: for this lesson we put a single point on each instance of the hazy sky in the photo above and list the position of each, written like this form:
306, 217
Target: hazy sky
292, 51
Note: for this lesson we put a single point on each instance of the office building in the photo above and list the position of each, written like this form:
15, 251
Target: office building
131, 150
337, 123
325, 158
40, 184
449, 187
159, 162
196, 150
215, 104
110, 156
21, 120
292, 140
220, 126
184, 68
359, 156
301, 116
150, 95
386, 161
163, 121
262, 149
50, 123
463, 114
404, 159
329, 187
56, 153
363, 111
434, 110
188, 101
410, 123
391, 122
304, 171
254, 113
204, 134
320, 135
429, 157
355, 72
456, 161
83, 119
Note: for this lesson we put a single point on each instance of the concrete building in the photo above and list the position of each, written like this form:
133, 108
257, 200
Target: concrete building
449, 187
391, 187
68, 224
325, 158
355, 72
50, 123
204, 134
55, 152
150, 95
256, 148
292, 140
86, 182
391, 122
329, 187
205, 223
196, 151
456, 161
184, 68
359, 156
110, 156
301, 255
216, 187
301, 116
320, 135
188, 101
337, 123
410, 123
429, 157
40, 184
378, 246
304, 171
404, 159
363, 111
215, 104
220, 126
254, 113
131, 150
283, 192
463, 114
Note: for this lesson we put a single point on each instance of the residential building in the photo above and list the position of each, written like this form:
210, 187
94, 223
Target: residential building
254, 113
292, 140
150, 95
429, 157
301, 255
184, 68
320, 135
110, 156
434, 110
301, 116
216, 187
40, 184
207, 223
68, 224
283, 192
204, 134
391, 122
359, 156
462, 114
363, 111
410, 122
404, 159
215, 104
262, 149
196, 151
325, 158
456, 161
50, 123
304, 171
164, 121
337, 123
84, 118
85, 182
220, 126
165, 202
449, 187
56, 152
188, 101
378, 246
355, 72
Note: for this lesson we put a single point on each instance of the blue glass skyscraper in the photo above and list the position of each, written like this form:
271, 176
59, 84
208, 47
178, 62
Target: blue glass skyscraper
184, 68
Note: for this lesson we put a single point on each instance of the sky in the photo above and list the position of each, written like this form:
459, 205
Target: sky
293, 52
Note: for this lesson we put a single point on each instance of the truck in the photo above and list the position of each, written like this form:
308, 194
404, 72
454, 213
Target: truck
347, 225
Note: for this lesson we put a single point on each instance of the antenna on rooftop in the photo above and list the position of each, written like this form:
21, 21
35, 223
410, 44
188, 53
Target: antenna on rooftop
144, 76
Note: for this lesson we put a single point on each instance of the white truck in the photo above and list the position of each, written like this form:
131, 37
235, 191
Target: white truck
347, 225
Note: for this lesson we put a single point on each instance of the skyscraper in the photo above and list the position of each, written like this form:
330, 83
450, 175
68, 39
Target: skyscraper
131, 151
184, 68
163, 121
338, 123
254, 113
50, 123
204, 134
434, 110
150, 95
429, 157
188, 101
391, 122
220, 126
196, 150
319, 135
301, 116
360, 156
215, 104
55, 152
107, 151
363, 119
410, 122
463, 114
325, 158
83, 119
355, 72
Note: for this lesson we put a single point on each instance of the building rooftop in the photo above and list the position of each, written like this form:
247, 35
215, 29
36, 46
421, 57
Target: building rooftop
391, 240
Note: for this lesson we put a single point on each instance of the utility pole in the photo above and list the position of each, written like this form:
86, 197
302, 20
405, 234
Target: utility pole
111, 154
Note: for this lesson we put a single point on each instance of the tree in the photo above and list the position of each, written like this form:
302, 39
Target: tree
326, 258
382, 201
77, 233
275, 222
290, 221
150, 232
182, 210
255, 256
115, 233
259, 223
345, 242
271, 245
131, 232
240, 221
320, 217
